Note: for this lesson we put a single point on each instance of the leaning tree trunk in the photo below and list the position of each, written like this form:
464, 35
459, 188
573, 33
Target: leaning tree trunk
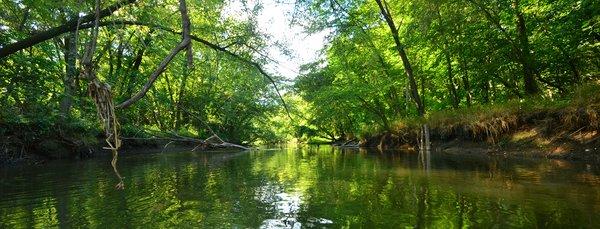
385, 11
185, 42
69, 80
520, 48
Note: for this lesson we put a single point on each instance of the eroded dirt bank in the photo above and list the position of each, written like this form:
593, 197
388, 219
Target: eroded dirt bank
571, 134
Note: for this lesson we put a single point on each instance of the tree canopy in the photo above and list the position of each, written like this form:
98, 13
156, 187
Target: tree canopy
204, 75
43, 46
388, 60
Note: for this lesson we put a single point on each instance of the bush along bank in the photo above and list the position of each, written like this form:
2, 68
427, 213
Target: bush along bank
567, 129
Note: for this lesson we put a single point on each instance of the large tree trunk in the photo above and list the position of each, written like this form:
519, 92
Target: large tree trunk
384, 9
71, 73
520, 48
527, 59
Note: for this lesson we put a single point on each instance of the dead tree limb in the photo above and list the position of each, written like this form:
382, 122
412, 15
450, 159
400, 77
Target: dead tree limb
213, 141
217, 141
102, 96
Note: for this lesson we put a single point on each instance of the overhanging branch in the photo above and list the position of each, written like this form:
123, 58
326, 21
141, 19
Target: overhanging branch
69, 26
72, 26
185, 43
208, 44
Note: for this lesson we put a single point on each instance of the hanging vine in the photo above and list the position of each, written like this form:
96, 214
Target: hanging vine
101, 95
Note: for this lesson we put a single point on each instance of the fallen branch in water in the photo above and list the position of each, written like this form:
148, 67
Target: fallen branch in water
214, 135
211, 142
163, 138
215, 138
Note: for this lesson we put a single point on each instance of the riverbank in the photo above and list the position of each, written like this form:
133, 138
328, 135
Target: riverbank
58, 149
24, 144
565, 129
562, 129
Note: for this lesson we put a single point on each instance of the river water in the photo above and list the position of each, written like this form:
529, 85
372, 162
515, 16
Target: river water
302, 187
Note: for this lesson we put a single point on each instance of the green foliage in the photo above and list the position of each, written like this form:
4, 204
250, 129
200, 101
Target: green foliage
218, 92
490, 122
473, 52
467, 56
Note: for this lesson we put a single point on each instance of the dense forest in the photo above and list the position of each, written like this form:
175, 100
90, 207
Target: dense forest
388, 62
185, 69
217, 86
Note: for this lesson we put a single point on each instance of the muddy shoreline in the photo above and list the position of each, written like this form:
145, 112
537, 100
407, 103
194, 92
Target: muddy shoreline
530, 141
525, 142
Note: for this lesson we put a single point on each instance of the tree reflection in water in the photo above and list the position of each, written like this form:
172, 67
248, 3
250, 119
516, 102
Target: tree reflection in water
306, 187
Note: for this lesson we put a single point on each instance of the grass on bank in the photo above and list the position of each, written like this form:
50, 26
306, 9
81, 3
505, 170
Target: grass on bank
578, 113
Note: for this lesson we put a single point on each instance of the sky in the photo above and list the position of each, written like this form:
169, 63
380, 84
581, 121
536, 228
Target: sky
274, 20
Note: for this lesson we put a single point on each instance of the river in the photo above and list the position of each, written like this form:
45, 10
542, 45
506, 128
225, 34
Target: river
302, 187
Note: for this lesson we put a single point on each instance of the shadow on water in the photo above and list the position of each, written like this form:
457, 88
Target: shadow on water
304, 187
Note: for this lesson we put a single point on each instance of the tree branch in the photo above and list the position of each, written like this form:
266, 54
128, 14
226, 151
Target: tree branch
185, 43
70, 25
210, 45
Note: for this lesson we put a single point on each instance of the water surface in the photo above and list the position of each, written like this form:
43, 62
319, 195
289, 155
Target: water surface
306, 187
